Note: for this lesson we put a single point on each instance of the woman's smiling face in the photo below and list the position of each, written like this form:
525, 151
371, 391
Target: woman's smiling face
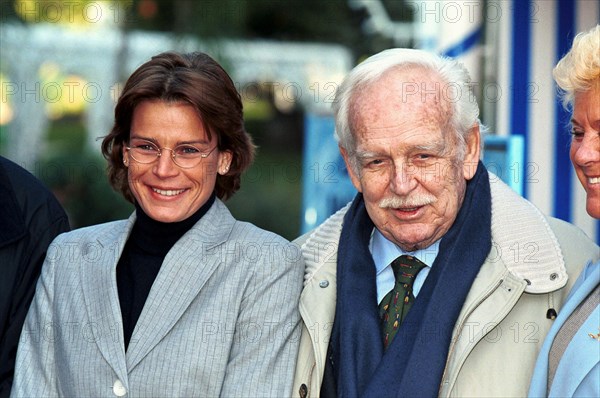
165, 191
585, 145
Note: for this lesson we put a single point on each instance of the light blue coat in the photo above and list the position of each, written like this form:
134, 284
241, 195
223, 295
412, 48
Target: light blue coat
578, 373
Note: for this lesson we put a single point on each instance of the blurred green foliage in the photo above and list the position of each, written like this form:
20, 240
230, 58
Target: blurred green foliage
330, 21
78, 176
271, 191
3, 137
271, 194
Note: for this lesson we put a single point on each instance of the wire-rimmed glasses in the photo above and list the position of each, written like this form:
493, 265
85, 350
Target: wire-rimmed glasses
185, 155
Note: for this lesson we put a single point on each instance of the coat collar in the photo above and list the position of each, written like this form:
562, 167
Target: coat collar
320, 247
99, 286
185, 270
522, 240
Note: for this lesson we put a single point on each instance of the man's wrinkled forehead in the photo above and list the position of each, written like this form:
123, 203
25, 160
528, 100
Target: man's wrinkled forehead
404, 89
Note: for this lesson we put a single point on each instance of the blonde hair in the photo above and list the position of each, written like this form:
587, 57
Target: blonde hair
579, 69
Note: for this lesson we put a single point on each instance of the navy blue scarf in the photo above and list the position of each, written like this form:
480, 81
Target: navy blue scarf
414, 363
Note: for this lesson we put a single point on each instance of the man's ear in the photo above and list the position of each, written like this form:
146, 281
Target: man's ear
351, 172
472, 152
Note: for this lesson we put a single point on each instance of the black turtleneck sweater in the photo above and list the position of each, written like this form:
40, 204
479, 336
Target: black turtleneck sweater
144, 252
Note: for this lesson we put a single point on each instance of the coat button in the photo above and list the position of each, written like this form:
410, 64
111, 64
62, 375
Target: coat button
119, 389
551, 314
324, 283
303, 391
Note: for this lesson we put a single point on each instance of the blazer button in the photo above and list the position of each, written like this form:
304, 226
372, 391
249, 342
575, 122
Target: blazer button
119, 389
303, 391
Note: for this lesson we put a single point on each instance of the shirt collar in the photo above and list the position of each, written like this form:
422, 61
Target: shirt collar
385, 251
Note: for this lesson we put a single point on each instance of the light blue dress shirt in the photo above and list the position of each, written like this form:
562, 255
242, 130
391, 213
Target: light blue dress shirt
385, 251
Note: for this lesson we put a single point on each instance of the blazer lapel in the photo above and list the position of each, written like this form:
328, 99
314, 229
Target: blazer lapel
578, 365
185, 270
98, 280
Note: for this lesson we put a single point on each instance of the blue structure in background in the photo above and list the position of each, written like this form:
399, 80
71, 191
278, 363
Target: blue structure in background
327, 186
505, 157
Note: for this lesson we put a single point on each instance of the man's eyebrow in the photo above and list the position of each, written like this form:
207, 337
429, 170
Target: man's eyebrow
367, 154
434, 146
429, 147
437, 147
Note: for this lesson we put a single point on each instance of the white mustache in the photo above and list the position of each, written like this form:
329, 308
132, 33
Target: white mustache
396, 202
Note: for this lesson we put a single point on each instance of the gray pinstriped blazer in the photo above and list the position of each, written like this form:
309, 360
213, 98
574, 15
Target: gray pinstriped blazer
221, 318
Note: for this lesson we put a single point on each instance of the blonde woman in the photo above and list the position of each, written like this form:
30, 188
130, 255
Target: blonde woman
569, 363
